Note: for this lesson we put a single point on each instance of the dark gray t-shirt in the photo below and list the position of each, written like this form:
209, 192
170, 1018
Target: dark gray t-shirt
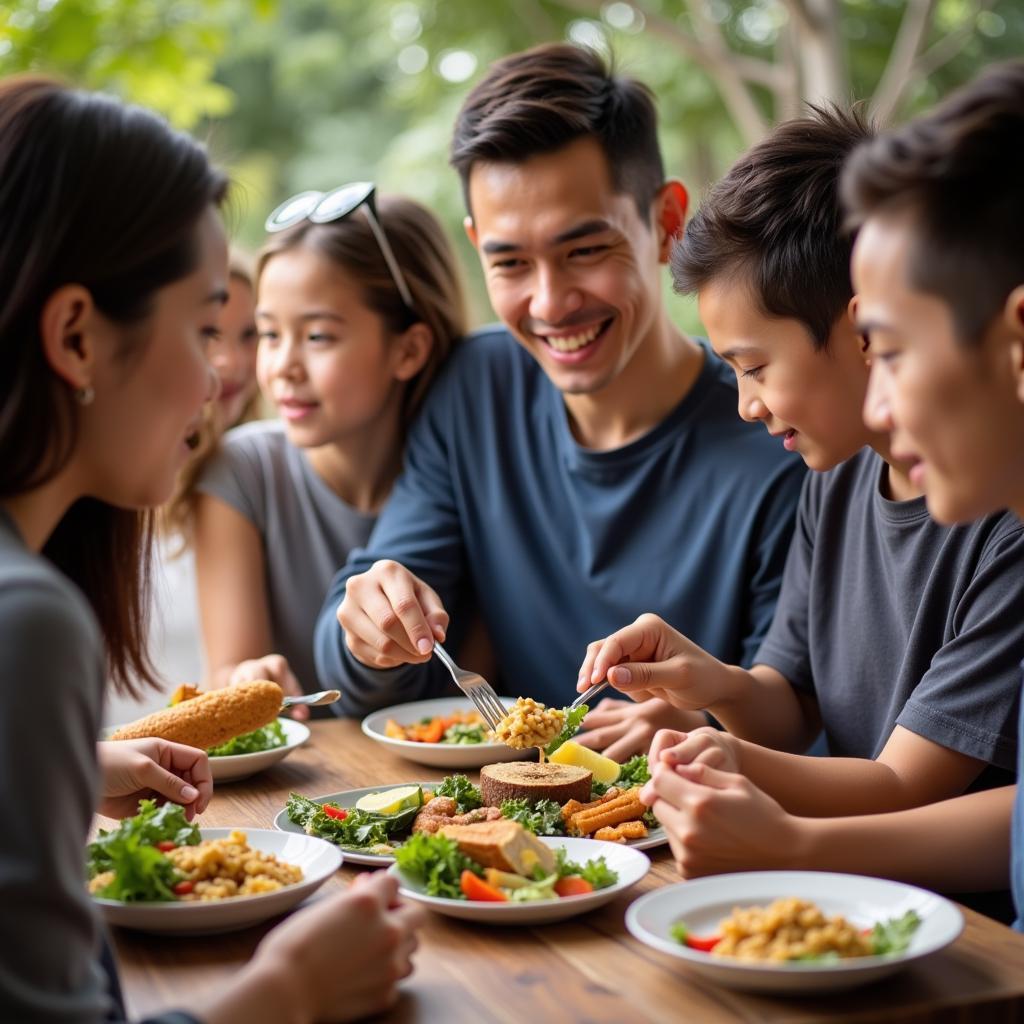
306, 529
52, 671
889, 619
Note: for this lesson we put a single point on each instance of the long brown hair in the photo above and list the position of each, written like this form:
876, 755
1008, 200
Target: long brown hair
105, 195
428, 264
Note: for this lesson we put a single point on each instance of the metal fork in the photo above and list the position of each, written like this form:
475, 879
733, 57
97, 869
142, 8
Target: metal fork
476, 688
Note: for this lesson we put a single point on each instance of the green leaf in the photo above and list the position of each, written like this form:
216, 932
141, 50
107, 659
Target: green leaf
544, 818
267, 738
894, 935
573, 721
436, 863
467, 797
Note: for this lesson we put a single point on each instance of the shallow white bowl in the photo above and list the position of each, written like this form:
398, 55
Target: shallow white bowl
317, 858
702, 903
441, 755
630, 864
241, 766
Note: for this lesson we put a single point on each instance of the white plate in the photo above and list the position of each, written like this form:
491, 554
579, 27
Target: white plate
348, 798
317, 858
702, 903
440, 755
241, 766
631, 866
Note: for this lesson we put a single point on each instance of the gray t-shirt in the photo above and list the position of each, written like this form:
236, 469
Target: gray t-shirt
306, 529
892, 619
51, 665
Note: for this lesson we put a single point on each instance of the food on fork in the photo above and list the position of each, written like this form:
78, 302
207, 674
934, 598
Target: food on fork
502, 844
529, 724
515, 780
211, 718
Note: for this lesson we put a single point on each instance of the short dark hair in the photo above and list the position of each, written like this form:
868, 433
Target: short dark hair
958, 172
105, 195
774, 222
540, 100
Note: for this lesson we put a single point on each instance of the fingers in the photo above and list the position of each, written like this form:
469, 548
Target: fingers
390, 616
194, 768
608, 712
664, 740
166, 784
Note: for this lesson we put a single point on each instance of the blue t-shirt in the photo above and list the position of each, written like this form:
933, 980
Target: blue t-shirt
554, 545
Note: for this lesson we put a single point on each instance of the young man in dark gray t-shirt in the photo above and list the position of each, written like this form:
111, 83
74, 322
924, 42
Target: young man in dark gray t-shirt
899, 636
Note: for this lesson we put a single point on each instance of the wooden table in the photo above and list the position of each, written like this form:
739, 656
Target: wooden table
586, 969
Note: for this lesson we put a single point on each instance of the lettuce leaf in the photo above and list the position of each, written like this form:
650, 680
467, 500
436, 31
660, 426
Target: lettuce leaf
436, 863
571, 726
268, 738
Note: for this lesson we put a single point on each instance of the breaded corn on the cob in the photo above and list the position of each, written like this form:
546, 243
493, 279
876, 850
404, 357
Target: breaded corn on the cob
211, 718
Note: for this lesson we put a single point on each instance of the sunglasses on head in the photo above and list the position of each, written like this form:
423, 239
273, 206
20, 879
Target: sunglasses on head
326, 207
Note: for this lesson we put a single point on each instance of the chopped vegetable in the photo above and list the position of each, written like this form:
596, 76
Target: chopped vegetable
543, 818
141, 871
573, 885
268, 738
893, 936
635, 772
475, 888
357, 830
596, 871
573, 721
466, 796
437, 863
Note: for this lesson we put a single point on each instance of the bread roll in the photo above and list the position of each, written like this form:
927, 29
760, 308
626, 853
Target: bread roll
513, 780
211, 718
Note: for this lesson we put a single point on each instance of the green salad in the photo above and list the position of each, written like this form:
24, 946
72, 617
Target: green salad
437, 863
134, 852
267, 738
380, 831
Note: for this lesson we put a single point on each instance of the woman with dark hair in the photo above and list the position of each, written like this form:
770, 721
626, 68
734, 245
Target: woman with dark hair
114, 269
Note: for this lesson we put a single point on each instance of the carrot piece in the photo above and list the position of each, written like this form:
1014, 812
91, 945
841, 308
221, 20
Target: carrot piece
393, 730
429, 733
573, 885
474, 888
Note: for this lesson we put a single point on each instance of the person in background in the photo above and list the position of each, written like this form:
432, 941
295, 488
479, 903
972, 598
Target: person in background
113, 261
584, 457
175, 640
359, 305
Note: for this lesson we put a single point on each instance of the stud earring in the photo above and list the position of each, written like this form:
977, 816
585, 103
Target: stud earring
84, 396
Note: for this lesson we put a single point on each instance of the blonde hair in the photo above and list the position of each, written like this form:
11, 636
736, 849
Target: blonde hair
176, 517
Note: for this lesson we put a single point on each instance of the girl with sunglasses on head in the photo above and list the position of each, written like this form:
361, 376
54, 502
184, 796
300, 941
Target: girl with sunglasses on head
113, 262
358, 305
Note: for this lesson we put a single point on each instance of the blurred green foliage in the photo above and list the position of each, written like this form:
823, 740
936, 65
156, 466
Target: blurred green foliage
299, 94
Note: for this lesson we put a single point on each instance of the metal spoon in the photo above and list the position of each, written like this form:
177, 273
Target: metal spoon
313, 700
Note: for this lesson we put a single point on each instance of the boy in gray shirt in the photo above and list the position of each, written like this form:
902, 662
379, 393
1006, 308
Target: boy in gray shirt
899, 636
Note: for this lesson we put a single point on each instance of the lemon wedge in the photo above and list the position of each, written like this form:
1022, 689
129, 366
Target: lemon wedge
604, 769
391, 801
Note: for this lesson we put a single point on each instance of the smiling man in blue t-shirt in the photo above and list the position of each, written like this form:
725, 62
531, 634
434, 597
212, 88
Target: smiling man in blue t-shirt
583, 463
